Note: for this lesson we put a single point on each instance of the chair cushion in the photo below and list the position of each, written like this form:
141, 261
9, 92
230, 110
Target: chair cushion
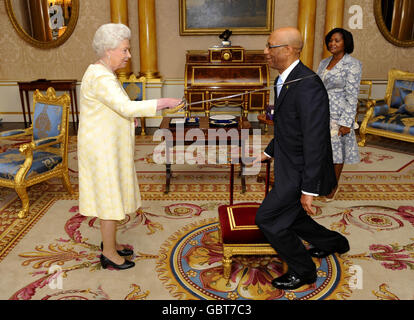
237, 223
404, 110
11, 161
381, 109
401, 89
11, 133
395, 122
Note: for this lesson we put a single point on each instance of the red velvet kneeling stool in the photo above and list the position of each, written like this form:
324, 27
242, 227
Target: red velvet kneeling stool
238, 231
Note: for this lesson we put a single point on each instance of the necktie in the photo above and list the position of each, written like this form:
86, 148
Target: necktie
279, 85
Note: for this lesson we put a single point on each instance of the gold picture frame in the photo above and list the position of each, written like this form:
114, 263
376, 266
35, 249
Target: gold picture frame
205, 17
379, 19
38, 43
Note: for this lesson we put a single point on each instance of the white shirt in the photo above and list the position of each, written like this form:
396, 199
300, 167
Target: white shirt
284, 76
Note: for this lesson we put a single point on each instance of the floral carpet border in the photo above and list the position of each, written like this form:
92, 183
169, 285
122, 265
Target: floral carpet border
18, 228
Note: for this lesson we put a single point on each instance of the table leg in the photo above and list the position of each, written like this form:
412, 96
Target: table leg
28, 107
169, 145
23, 108
167, 178
231, 183
76, 108
242, 177
72, 109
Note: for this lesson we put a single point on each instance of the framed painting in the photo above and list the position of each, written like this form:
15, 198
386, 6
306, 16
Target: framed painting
198, 17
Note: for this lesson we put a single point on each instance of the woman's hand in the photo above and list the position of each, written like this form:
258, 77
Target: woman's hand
167, 103
343, 131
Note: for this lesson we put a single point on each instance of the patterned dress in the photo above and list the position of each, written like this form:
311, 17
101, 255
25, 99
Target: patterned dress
342, 83
108, 185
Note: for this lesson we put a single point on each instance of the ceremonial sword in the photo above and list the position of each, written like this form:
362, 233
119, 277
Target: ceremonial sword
184, 104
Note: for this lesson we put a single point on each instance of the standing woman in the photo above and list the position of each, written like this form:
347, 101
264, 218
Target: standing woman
108, 186
341, 75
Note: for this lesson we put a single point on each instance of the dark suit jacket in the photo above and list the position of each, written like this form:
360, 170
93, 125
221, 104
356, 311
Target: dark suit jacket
301, 145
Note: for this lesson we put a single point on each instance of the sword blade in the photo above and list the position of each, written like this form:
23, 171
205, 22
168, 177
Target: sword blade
248, 92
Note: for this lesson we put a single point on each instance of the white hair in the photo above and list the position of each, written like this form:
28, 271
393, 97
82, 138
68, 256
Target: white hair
109, 36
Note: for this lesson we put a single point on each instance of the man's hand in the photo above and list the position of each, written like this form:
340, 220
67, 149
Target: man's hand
260, 158
306, 201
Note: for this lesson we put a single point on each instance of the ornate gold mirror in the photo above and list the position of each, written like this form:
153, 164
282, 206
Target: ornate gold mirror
43, 23
395, 20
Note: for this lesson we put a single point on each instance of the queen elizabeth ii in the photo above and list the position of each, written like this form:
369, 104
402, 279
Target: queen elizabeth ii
108, 186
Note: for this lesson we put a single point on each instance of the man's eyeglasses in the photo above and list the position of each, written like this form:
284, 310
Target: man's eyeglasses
269, 46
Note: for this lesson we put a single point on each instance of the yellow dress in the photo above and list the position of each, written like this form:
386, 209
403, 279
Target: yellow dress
108, 185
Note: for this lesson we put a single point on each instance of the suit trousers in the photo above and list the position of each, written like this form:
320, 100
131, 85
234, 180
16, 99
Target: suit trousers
285, 224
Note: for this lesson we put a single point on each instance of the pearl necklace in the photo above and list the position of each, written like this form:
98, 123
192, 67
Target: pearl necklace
106, 66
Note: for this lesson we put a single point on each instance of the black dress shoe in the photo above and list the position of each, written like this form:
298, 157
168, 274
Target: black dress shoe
105, 262
290, 281
123, 253
318, 253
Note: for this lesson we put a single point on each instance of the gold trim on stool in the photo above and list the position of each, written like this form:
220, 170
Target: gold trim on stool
232, 221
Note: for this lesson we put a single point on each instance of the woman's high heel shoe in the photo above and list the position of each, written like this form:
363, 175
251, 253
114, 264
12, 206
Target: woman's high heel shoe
123, 253
105, 263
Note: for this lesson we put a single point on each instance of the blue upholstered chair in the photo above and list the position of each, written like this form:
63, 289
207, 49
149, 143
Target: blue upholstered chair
46, 156
390, 117
135, 88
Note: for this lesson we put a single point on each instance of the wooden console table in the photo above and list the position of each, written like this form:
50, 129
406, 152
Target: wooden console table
58, 85
225, 71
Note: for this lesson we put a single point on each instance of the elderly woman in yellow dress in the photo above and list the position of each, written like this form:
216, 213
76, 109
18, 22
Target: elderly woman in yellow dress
108, 186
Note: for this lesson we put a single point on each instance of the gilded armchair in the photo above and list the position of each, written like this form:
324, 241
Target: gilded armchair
46, 156
135, 88
390, 117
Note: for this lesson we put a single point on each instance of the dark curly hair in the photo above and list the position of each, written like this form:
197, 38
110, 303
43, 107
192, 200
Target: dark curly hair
346, 35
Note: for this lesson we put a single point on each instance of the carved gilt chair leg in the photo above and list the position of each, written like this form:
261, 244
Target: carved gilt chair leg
361, 142
227, 254
22, 193
362, 135
66, 182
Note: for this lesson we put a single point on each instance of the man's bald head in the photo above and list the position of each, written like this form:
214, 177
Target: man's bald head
290, 41
290, 36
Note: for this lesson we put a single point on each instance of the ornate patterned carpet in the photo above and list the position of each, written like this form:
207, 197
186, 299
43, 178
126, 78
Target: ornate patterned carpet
54, 253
